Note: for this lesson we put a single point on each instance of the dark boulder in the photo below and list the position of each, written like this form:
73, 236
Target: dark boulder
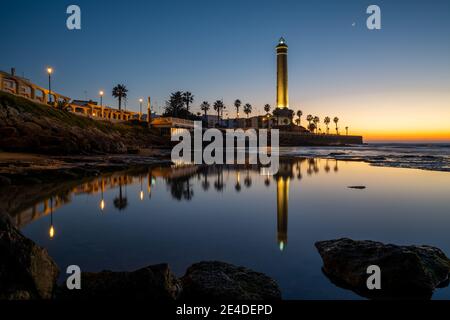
407, 272
156, 283
26, 270
220, 281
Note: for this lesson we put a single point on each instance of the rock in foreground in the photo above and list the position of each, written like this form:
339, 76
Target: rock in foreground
155, 283
220, 281
407, 272
26, 270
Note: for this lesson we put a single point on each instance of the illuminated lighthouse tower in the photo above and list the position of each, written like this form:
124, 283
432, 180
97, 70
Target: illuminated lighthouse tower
282, 75
283, 115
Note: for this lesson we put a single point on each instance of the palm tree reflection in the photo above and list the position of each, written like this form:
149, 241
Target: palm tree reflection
180, 181
120, 202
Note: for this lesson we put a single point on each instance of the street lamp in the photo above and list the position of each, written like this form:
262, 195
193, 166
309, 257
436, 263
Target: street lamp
140, 108
49, 71
101, 93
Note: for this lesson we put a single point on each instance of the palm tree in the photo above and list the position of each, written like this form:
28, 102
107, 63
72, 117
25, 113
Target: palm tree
218, 106
175, 105
205, 106
267, 108
346, 131
336, 120
327, 122
247, 109
188, 98
309, 118
311, 127
316, 121
120, 92
299, 115
237, 105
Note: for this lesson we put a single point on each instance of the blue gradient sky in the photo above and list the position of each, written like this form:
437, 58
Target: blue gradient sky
225, 49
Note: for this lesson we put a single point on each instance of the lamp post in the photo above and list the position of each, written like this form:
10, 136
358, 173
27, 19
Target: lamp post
49, 71
101, 93
140, 108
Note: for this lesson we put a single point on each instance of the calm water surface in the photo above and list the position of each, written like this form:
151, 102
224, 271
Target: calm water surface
186, 214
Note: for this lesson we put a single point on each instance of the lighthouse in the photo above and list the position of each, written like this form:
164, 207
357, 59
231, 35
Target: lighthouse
283, 115
282, 75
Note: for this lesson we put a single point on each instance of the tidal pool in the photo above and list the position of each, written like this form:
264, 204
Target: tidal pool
185, 214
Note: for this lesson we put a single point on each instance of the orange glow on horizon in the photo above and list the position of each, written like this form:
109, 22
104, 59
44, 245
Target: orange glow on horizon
418, 114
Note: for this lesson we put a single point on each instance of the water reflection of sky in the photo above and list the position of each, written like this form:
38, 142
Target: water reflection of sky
185, 215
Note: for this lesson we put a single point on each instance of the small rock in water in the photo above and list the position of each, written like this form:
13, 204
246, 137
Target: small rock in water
357, 187
407, 272
220, 281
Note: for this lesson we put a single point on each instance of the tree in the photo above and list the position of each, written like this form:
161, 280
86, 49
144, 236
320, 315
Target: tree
267, 108
299, 115
336, 120
175, 105
188, 98
205, 106
311, 127
327, 121
247, 109
120, 92
346, 131
309, 118
316, 121
218, 106
237, 105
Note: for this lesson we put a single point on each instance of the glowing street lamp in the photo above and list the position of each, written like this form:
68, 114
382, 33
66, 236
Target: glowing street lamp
101, 93
140, 108
49, 71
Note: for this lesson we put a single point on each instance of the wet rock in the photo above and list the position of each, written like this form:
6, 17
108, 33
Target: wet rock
26, 270
156, 283
406, 271
220, 281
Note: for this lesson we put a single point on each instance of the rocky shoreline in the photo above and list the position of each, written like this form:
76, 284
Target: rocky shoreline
26, 126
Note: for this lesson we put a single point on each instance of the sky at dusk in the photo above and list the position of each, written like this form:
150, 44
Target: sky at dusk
388, 84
